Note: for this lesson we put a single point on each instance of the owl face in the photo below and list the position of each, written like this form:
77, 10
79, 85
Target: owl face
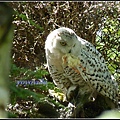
61, 40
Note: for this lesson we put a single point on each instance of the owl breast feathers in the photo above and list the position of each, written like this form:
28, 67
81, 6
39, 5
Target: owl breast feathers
73, 61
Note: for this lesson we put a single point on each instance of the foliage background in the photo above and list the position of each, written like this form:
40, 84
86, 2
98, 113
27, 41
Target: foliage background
97, 22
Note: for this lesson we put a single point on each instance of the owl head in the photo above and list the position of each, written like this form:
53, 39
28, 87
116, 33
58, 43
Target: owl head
61, 40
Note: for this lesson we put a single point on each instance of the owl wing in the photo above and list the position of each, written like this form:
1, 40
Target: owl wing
94, 71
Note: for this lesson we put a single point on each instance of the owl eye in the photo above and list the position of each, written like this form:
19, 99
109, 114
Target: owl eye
63, 43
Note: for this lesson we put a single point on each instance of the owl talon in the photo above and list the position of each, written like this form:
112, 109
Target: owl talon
72, 92
92, 96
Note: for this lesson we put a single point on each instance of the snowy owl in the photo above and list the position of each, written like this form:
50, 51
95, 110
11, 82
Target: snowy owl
73, 61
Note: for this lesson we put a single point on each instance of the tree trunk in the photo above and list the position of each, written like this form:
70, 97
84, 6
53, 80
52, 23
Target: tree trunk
91, 109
